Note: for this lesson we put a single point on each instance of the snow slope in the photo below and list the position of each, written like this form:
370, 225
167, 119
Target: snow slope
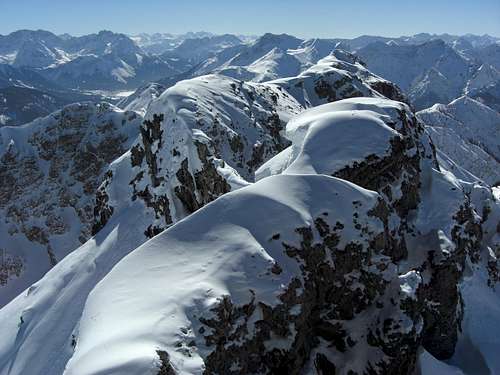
202, 138
269, 57
140, 99
311, 133
195, 50
299, 271
208, 135
337, 76
231, 254
50, 171
468, 132
429, 73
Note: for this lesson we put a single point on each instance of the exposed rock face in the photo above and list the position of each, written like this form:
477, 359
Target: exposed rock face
102, 210
302, 272
201, 139
321, 312
338, 76
204, 137
50, 171
400, 174
396, 170
348, 259
11, 266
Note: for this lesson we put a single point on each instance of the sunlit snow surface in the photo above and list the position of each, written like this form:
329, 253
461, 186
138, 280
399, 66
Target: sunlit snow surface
118, 311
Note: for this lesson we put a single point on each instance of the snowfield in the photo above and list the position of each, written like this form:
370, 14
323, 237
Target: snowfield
271, 206
282, 247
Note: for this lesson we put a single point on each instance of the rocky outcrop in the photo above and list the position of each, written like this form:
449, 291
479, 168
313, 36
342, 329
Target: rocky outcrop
207, 136
201, 139
336, 289
338, 76
50, 171
400, 174
349, 258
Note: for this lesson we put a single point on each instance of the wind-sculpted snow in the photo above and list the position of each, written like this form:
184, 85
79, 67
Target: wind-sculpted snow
354, 259
246, 252
347, 122
201, 138
356, 250
207, 136
50, 171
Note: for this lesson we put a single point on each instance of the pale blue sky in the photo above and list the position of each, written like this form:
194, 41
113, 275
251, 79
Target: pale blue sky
321, 18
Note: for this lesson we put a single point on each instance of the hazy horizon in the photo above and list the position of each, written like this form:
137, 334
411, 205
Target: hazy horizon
316, 18
243, 34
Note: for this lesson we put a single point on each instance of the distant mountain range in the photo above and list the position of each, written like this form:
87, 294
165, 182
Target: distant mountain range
429, 68
98, 61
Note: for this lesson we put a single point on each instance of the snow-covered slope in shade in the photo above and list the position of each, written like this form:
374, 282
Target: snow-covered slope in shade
141, 98
486, 75
20, 105
295, 273
429, 73
50, 170
489, 95
110, 71
23, 77
469, 133
490, 54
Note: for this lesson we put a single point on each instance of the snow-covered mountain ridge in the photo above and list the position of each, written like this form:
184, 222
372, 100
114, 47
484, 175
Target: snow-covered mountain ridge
96, 61
468, 133
305, 224
297, 272
201, 138
432, 72
50, 170
430, 68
